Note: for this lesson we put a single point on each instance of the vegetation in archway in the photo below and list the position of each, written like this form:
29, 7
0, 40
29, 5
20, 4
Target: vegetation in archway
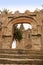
17, 33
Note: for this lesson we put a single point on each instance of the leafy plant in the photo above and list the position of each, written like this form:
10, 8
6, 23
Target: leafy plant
5, 11
17, 34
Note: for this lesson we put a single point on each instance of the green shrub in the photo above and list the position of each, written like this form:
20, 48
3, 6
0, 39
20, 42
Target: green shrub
17, 34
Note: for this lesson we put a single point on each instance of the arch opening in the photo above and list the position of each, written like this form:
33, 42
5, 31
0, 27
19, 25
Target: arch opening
28, 23
24, 27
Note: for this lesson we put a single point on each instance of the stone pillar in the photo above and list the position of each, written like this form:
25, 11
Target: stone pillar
7, 42
42, 35
0, 35
38, 29
0, 42
36, 38
36, 42
7, 37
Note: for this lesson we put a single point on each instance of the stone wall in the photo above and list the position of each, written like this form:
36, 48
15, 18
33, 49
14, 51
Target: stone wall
7, 21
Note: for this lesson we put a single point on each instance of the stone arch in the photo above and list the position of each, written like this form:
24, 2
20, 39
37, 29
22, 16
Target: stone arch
12, 22
22, 19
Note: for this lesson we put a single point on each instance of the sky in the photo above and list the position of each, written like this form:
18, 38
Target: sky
21, 5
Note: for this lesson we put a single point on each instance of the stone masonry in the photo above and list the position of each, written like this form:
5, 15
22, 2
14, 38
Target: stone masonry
7, 22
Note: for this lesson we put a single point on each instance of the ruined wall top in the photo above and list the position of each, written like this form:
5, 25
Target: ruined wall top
17, 13
5, 17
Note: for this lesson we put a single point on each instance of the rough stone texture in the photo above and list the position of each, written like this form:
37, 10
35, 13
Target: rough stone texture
20, 57
25, 42
7, 21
